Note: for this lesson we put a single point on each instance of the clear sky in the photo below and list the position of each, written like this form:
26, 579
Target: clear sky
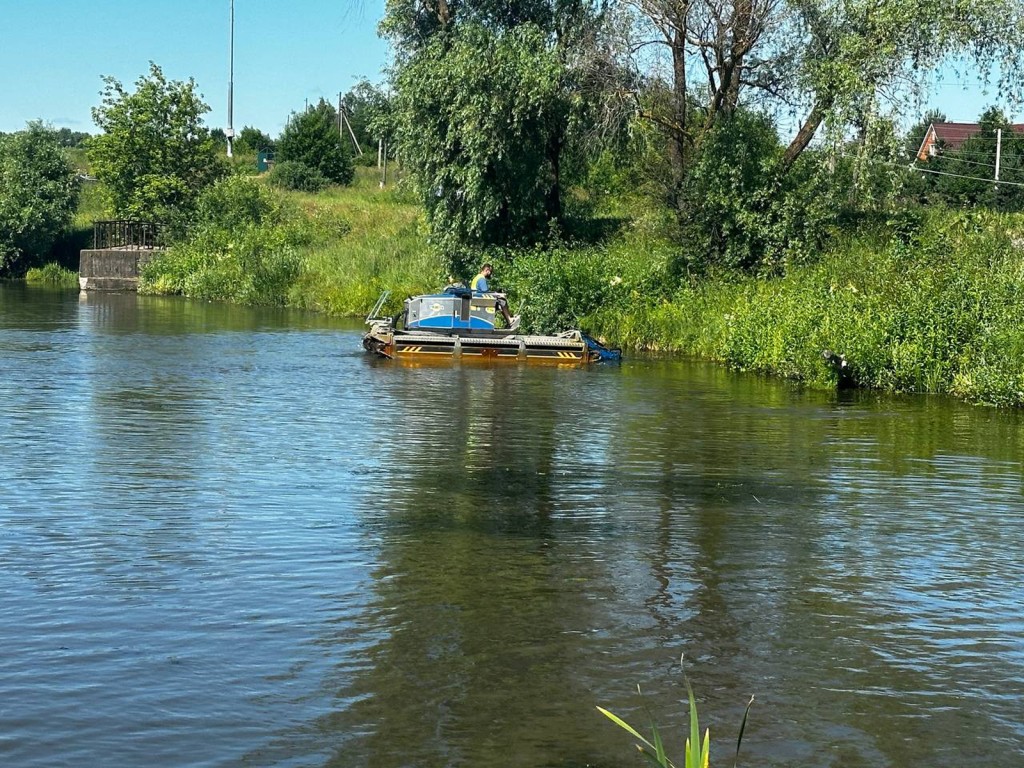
53, 54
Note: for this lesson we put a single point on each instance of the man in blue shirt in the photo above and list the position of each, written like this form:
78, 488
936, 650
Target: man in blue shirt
481, 288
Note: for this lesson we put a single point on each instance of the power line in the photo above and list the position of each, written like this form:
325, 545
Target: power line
969, 178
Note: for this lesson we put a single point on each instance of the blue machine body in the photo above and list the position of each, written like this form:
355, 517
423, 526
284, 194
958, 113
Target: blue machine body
456, 311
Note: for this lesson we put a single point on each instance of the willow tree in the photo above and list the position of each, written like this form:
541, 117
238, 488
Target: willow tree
488, 107
831, 62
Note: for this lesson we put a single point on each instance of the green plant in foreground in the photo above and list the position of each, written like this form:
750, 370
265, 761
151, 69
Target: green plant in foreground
697, 754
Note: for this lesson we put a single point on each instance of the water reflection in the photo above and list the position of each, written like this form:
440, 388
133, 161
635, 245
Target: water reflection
247, 528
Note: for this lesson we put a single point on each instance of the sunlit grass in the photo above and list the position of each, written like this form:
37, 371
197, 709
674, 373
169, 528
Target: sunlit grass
52, 275
385, 247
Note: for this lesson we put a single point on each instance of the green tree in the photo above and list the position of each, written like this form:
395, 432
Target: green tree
966, 175
839, 58
490, 111
473, 116
313, 139
253, 140
368, 111
38, 195
155, 155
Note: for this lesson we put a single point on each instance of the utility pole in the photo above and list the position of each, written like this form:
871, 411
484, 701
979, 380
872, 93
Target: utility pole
343, 123
999, 152
230, 131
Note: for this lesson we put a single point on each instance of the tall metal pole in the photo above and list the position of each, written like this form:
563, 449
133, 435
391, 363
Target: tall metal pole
999, 152
230, 132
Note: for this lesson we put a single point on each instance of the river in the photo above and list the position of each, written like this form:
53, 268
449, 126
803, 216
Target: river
229, 537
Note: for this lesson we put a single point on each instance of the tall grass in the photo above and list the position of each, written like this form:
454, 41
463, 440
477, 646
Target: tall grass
385, 247
52, 274
932, 308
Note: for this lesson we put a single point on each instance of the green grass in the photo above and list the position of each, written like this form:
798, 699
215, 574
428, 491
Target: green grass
932, 310
385, 247
52, 275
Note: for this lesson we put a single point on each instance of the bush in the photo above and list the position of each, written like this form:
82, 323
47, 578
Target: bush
243, 248
312, 138
52, 274
38, 194
297, 176
563, 287
739, 211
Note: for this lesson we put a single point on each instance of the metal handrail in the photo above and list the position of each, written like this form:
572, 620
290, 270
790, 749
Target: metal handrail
125, 233
376, 308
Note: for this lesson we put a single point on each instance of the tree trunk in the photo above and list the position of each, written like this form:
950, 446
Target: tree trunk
677, 141
804, 135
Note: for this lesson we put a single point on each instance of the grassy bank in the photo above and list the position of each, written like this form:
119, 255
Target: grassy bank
383, 247
927, 302
333, 252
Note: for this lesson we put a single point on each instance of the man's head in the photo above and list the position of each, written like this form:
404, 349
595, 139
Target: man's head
486, 270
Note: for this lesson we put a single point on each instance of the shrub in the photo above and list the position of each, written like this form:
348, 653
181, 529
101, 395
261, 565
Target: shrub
52, 274
243, 248
38, 195
297, 176
313, 138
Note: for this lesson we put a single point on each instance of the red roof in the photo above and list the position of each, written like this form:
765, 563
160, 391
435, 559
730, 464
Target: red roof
953, 135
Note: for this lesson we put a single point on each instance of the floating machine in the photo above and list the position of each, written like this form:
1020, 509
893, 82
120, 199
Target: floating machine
457, 324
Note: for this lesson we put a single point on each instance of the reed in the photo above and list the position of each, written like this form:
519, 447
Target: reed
696, 754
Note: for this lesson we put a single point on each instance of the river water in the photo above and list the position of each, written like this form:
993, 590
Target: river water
229, 537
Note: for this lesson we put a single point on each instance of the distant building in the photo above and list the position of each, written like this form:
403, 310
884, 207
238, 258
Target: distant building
951, 136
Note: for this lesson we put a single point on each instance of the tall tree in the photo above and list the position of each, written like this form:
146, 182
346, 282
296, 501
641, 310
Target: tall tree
38, 195
368, 111
313, 138
155, 155
488, 106
834, 60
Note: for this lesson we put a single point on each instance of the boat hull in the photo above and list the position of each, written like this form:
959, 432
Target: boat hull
565, 349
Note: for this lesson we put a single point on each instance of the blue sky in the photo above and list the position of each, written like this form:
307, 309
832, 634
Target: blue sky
53, 54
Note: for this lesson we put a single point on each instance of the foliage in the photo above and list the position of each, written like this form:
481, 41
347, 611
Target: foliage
253, 140
68, 138
297, 176
243, 248
844, 61
965, 176
368, 111
312, 137
560, 286
334, 252
737, 210
473, 113
923, 304
52, 274
38, 194
154, 156
491, 112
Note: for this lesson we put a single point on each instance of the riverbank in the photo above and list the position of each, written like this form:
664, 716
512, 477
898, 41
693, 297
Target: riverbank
930, 308
925, 303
